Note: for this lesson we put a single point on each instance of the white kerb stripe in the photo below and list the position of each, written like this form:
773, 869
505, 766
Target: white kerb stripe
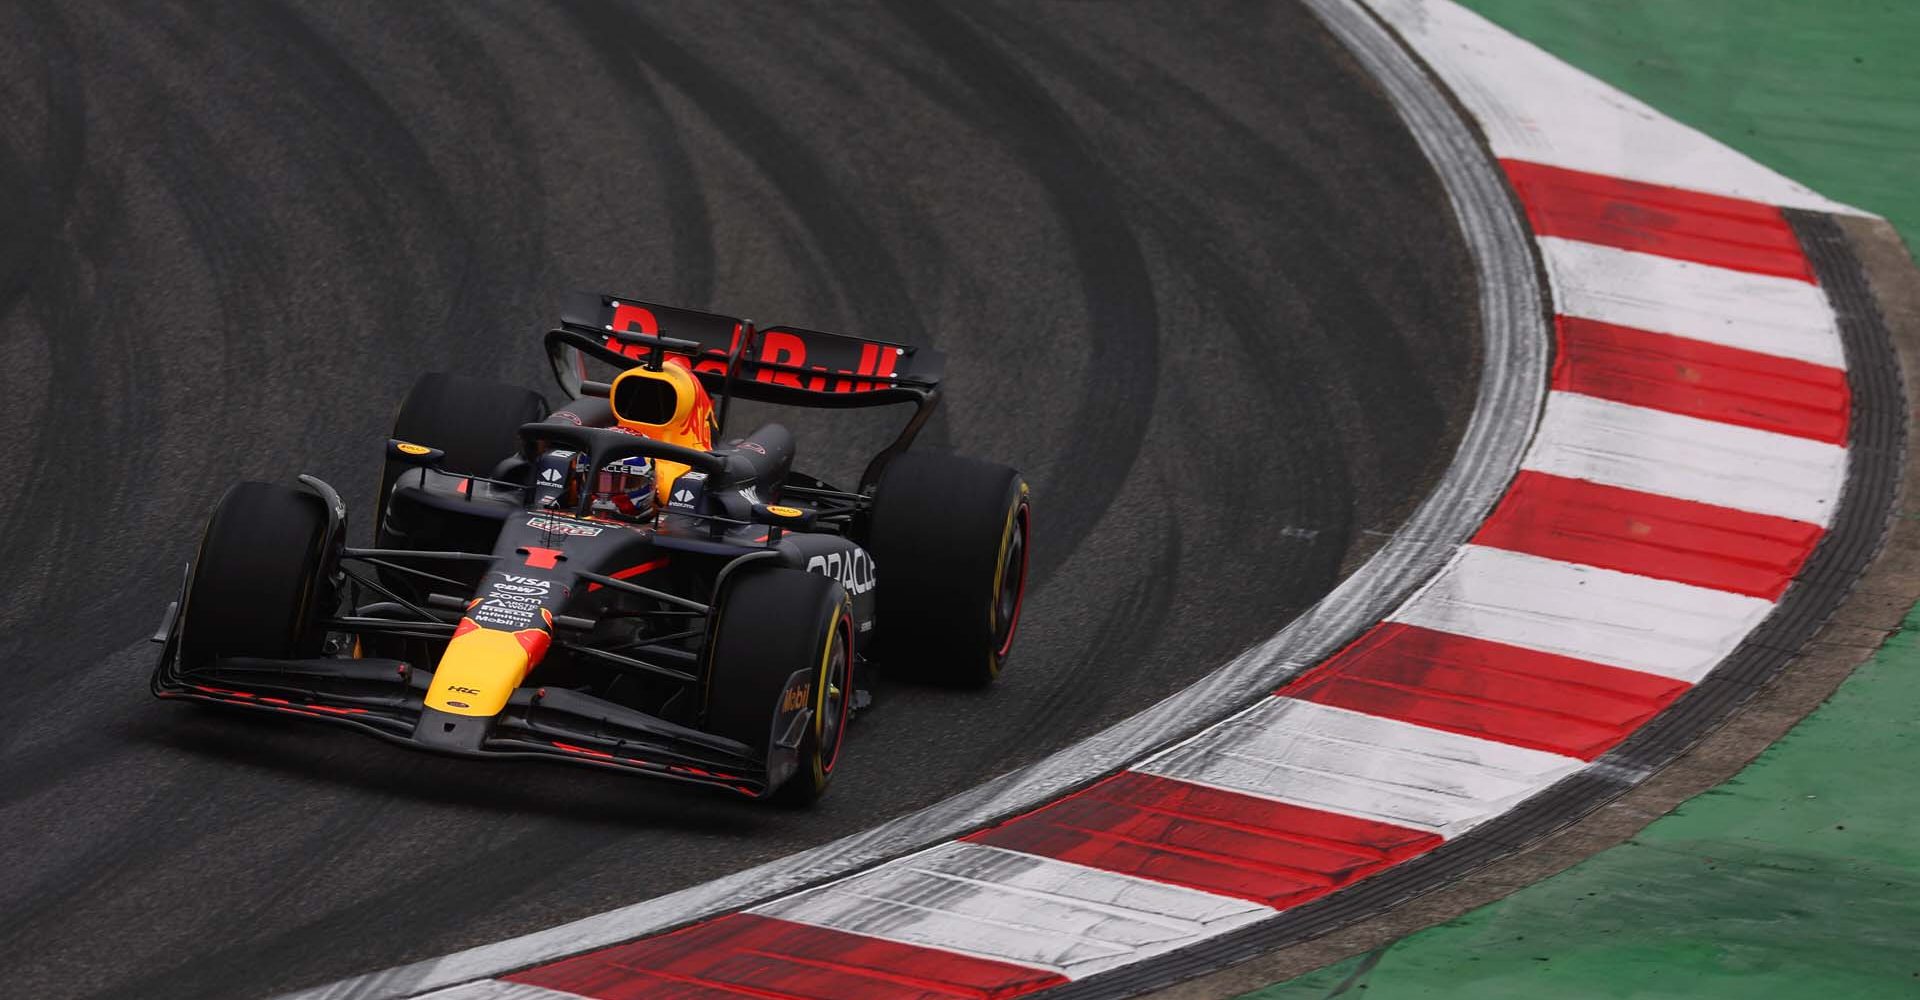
1535, 107
1753, 312
494, 989
1600, 615
1336, 760
1653, 451
1019, 908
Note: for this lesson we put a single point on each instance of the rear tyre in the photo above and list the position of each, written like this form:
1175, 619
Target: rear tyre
949, 542
262, 582
477, 423
772, 623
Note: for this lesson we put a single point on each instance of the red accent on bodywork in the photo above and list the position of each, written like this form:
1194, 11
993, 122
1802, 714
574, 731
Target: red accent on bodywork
1488, 690
278, 704
334, 710
714, 360
645, 567
535, 642
842, 371
1667, 222
629, 318
633, 571
748, 955
632, 319
540, 558
466, 625
782, 349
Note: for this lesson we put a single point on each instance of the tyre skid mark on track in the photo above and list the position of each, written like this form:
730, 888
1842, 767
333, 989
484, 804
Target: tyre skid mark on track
1110, 423
1381, 757
53, 220
1123, 638
803, 180
1510, 389
406, 297
689, 226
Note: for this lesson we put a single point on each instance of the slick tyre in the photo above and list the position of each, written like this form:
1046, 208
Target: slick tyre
475, 422
261, 584
949, 538
771, 624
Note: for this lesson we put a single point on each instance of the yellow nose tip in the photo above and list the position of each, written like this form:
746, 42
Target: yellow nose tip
479, 672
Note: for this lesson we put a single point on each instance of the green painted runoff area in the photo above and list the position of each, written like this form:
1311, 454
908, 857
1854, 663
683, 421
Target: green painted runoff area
1826, 92
1801, 876
1798, 878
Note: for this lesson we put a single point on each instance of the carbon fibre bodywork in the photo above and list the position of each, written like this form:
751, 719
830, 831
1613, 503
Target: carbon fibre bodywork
579, 569
503, 616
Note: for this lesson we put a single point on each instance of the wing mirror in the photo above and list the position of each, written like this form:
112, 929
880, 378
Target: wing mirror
413, 454
779, 516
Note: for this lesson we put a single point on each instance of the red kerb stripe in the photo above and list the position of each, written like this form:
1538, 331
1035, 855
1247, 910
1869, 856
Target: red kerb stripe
1670, 222
1208, 839
1697, 379
746, 955
1650, 535
1488, 690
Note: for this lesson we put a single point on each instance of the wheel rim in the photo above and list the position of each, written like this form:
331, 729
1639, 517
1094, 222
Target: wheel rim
834, 699
1013, 582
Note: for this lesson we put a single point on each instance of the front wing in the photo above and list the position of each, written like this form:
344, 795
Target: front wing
384, 697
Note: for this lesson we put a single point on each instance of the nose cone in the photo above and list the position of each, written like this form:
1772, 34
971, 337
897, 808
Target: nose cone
482, 667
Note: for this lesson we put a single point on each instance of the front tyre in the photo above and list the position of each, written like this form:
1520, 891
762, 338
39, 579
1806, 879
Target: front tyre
949, 539
771, 625
261, 585
476, 422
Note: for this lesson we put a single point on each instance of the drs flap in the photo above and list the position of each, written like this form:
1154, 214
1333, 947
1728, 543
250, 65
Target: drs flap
775, 364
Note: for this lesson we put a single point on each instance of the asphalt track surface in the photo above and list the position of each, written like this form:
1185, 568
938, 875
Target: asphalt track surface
1191, 275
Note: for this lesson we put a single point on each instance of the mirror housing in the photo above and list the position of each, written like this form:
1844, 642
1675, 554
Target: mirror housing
413, 454
782, 516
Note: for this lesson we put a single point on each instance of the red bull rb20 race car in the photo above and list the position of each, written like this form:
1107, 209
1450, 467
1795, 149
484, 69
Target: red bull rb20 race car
605, 585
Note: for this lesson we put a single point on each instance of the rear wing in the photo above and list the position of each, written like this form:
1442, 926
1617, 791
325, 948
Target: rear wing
779, 364
783, 365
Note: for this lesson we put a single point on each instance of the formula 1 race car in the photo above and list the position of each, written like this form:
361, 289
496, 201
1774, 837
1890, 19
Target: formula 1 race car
601, 584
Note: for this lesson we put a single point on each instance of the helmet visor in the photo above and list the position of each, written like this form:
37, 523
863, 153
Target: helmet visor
626, 485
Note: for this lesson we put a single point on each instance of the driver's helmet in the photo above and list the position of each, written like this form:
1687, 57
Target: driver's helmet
624, 489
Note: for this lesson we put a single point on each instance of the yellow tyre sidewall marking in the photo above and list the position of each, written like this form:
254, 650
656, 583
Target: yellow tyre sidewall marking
820, 680
999, 569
